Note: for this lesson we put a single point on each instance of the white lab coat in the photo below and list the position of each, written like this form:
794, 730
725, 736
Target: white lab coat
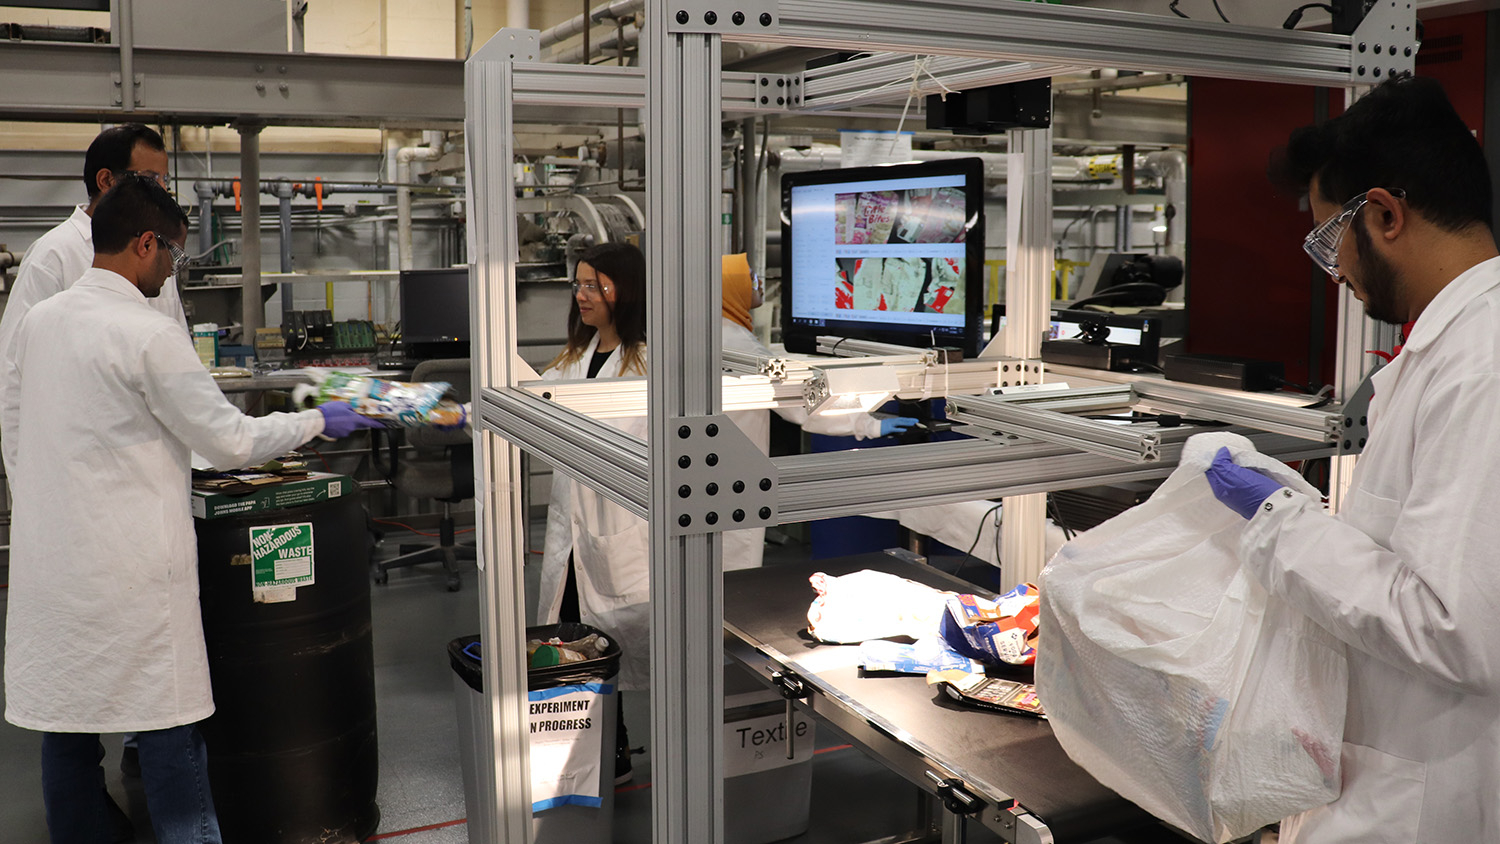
745, 548
105, 400
1408, 574
54, 262
608, 545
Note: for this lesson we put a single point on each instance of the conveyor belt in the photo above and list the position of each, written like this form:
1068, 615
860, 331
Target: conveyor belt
998, 756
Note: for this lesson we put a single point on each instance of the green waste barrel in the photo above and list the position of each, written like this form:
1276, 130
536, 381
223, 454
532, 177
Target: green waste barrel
291, 746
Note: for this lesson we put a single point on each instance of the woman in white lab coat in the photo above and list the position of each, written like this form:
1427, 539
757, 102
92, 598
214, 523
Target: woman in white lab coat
743, 293
594, 567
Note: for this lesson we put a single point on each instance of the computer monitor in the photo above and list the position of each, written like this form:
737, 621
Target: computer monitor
893, 254
435, 312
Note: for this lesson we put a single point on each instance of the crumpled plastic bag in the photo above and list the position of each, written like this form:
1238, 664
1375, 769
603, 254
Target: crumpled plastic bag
872, 605
1172, 676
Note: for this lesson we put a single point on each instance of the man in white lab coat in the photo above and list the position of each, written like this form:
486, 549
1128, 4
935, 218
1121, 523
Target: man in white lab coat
1407, 573
105, 399
60, 257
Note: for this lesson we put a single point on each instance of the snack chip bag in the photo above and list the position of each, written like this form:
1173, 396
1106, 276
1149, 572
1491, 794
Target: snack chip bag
398, 404
994, 632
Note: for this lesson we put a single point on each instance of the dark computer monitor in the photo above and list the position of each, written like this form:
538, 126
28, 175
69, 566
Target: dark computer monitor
435, 312
894, 254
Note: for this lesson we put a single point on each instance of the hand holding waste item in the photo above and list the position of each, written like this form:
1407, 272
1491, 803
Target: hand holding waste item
396, 404
340, 420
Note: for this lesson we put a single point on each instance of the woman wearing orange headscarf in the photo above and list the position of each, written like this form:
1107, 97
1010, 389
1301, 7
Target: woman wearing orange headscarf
743, 293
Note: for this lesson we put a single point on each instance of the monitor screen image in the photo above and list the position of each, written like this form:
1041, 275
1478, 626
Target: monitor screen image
893, 254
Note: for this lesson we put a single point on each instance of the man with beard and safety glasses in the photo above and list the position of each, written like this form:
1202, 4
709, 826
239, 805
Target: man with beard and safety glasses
1407, 574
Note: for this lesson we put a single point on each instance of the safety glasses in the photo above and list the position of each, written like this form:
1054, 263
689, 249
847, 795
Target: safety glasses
179, 257
589, 289
1322, 243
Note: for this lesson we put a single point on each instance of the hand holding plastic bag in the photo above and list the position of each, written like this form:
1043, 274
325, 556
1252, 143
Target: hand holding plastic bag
1172, 676
1241, 490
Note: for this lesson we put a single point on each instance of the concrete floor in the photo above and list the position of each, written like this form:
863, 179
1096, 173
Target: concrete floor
421, 790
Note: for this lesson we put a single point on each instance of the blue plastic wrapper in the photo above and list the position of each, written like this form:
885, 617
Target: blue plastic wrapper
924, 656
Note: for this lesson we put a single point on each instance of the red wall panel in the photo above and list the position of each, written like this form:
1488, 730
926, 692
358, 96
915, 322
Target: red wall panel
1251, 290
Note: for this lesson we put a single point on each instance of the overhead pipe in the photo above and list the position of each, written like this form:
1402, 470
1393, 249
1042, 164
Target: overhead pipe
624, 38
577, 25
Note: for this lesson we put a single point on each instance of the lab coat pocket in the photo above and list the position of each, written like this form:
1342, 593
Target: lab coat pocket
1373, 515
1381, 801
615, 564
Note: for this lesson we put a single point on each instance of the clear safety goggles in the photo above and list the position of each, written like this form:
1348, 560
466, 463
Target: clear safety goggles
589, 289
179, 257
1322, 243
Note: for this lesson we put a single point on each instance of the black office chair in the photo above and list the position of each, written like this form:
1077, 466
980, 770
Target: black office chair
441, 469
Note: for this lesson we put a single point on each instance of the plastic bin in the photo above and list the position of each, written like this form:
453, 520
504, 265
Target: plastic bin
561, 696
767, 797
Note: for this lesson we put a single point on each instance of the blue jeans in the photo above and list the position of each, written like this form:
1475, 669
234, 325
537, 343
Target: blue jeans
174, 771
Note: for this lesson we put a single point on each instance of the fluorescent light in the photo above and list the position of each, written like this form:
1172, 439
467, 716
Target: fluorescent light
1159, 228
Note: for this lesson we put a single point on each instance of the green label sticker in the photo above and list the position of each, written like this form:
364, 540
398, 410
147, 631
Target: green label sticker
281, 555
726, 218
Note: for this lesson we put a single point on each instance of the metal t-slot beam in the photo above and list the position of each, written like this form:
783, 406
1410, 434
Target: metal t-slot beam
591, 452
683, 113
1119, 442
502, 755
1078, 36
593, 86
850, 348
851, 483
1320, 424
889, 77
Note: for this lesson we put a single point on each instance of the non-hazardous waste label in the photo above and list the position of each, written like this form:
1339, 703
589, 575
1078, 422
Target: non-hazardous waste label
281, 556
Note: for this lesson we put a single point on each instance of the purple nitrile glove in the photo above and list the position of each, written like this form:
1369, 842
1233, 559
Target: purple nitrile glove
341, 420
1240, 489
896, 425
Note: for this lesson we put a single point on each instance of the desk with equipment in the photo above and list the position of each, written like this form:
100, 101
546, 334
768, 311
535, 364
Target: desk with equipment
1005, 771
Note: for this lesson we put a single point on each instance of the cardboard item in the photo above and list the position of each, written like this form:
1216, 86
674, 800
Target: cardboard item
297, 492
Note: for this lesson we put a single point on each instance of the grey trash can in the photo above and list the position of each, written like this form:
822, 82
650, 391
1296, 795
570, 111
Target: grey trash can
767, 797
572, 701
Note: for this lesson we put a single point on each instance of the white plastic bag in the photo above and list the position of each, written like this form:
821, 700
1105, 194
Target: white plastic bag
870, 604
1171, 675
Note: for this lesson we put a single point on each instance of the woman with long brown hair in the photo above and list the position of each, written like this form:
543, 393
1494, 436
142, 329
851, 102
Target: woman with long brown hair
595, 568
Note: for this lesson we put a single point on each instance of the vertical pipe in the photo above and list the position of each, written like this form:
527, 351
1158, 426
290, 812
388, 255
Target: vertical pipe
744, 212
403, 210
284, 203
127, 55
517, 14
587, 25
1122, 228
252, 311
205, 192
